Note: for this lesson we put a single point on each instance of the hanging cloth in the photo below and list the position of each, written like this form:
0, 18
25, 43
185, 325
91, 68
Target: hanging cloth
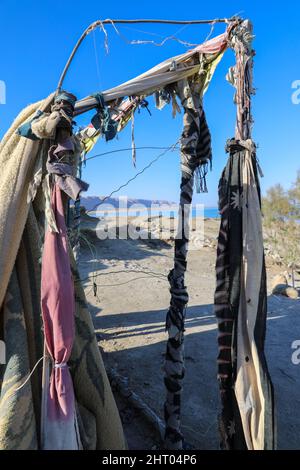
59, 421
195, 153
58, 308
247, 417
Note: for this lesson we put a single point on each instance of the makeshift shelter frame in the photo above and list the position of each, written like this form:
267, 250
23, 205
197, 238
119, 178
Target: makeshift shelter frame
239, 40
238, 37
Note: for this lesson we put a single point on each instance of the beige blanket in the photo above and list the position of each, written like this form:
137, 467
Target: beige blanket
21, 237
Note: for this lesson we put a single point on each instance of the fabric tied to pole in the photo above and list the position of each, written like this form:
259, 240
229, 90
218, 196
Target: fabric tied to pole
23, 402
44, 125
67, 97
195, 154
58, 307
64, 172
102, 120
25, 130
174, 362
247, 417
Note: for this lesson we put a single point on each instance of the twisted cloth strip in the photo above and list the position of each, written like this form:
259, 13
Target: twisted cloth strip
195, 152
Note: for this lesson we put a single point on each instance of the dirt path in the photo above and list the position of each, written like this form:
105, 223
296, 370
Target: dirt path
129, 315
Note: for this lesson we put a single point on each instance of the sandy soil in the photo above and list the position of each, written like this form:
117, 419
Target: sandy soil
129, 313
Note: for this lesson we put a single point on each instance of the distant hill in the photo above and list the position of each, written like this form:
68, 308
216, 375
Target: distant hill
91, 202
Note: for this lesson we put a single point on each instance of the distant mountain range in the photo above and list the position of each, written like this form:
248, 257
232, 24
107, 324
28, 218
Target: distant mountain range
91, 202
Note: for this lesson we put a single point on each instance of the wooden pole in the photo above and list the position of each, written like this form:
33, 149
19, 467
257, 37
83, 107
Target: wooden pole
100, 23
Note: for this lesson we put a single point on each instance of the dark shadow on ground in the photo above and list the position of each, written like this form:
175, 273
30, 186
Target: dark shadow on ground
141, 359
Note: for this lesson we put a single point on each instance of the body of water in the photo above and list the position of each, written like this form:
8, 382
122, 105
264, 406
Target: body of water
206, 212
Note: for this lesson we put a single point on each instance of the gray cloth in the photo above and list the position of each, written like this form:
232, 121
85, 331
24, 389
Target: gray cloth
64, 172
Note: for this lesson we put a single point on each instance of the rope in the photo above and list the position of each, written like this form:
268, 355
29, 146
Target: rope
97, 60
149, 41
121, 271
126, 150
24, 383
172, 147
126, 282
56, 365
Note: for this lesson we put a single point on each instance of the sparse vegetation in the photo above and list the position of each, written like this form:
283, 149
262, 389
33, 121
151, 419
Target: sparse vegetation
281, 210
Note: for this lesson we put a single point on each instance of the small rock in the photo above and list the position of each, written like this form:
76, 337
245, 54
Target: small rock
279, 280
291, 292
288, 291
279, 289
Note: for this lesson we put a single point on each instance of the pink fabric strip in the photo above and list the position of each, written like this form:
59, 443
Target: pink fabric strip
58, 307
214, 45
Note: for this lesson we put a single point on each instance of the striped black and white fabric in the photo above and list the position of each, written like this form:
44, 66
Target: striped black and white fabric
247, 417
195, 155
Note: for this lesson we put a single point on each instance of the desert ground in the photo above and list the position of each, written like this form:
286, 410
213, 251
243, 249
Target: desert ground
129, 308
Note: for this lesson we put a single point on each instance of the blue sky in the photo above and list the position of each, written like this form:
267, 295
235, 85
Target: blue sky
37, 37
